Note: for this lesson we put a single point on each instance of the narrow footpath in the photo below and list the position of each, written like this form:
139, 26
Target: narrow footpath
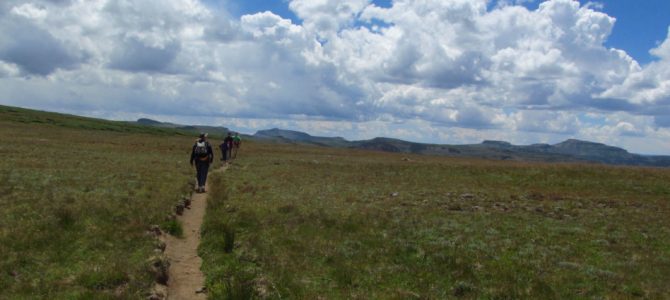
186, 281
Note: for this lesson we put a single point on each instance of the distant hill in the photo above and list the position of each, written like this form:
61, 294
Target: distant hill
149, 122
215, 131
23, 115
290, 136
571, 150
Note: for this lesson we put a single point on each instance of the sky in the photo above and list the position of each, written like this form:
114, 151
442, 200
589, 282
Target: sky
438, 71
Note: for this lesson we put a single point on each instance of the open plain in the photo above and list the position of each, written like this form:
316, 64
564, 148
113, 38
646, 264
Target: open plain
304, 222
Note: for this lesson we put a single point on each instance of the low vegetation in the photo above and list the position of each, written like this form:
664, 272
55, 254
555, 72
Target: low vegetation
32, 117
300, 222
316, 223
77, 198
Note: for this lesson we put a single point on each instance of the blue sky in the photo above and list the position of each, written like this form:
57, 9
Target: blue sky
438, 71
640, 26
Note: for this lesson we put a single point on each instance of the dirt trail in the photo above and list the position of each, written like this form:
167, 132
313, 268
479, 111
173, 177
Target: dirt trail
185, 275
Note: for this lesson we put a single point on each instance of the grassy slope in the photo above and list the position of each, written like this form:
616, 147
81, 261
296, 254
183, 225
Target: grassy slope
28, 116
77, 196
314, 222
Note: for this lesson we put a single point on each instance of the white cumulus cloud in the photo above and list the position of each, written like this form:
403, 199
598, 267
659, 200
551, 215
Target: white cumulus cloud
448, 70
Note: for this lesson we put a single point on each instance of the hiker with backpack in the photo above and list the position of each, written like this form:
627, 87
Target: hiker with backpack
224, 151
227, 147
236, 144
202, 155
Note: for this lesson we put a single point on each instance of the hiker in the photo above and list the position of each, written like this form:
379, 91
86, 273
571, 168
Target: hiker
224, 150
236, 144
202, 155
228, 146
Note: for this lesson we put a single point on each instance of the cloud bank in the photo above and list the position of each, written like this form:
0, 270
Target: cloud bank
449, 71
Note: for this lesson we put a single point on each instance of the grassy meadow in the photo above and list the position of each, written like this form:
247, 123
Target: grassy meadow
299, 222
293, 222
77, 198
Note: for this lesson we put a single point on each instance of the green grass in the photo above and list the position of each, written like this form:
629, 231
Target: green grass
309, 222
37, 118
295, 222
77, 198
173, 227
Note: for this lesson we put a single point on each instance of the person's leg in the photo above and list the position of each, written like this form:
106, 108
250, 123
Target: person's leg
203, 167
202, 177
198, 175
205, 170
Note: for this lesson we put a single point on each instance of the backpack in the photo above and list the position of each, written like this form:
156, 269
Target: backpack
201, 149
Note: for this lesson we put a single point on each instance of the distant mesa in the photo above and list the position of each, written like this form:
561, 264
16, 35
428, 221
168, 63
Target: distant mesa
585, 147
500, 144
571, 150
291, 136
288, 134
